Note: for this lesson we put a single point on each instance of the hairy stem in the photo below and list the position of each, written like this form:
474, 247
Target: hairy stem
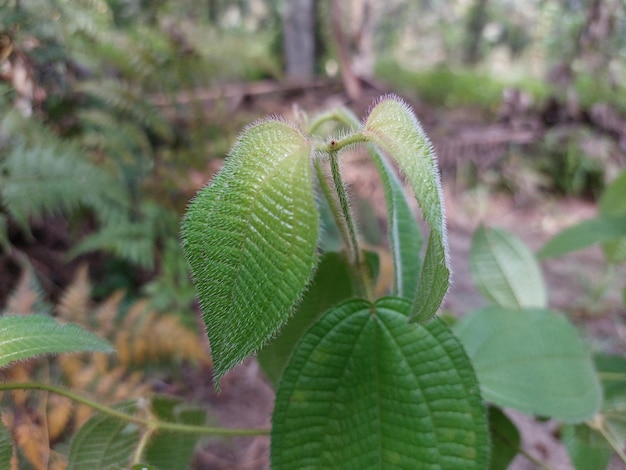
154, 424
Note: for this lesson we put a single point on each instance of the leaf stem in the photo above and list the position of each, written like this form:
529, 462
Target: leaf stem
357, 258
154, 424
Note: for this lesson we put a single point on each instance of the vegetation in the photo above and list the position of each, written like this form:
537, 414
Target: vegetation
113, 113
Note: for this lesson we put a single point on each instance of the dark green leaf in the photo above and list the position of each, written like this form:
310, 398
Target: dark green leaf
393, 128
505, 439
367, 389
587, 448
250, 238
531, 360
583, 235
26, 336
332, 283
505, 271
104, 442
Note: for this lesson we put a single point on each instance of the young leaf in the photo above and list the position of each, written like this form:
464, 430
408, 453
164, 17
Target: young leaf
367, 389
531, 360
104, 442
589, 232
393, 128
333, 282
250, 239
505, 271
26, 336
405, 236
6, 446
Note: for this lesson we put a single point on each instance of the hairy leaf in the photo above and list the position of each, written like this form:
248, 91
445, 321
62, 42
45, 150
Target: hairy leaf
393, 128
250, 239
332, 283
505, 271
589, 232
405, 236
26, 336
367, 389
531, 360
104, 442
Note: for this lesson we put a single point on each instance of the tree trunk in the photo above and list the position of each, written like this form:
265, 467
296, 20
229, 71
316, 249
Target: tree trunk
299, 39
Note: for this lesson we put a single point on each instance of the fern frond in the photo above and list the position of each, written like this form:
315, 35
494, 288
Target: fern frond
59, 415
27, 296
75, 301
51, 179
129, 101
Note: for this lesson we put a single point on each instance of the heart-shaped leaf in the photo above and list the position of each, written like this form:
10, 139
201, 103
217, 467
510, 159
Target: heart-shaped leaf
250, 238
393, 128
367, 389
531, 360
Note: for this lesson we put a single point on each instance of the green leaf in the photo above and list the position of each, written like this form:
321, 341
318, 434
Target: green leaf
505, 271
405, 236
582, 235
6, 446
531, 360
393, 128
104, 442
333, 282
505, 439
26, 336
367, 389
586, 447
173, 449
612, 372
613, 203
250, 238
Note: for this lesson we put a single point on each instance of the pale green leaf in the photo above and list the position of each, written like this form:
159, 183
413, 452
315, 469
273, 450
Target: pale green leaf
250, 238
333, 282
6, 446
532, 360
582, 235
393, 128
505, 439
613, 203
405, 237
366, 389
104, 442
26, 336
587, 448
505, 271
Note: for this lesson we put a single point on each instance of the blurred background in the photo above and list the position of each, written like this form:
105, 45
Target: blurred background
113, 113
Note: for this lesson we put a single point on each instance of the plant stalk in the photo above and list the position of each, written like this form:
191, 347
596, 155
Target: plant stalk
154, 424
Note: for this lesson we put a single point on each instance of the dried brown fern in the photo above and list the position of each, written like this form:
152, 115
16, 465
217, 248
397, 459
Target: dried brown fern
142, 336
